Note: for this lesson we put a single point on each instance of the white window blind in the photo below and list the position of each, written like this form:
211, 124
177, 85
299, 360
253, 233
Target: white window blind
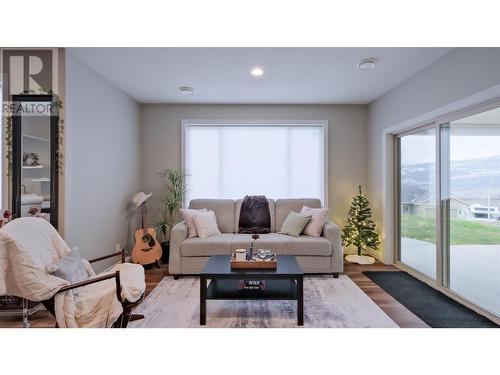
275, 160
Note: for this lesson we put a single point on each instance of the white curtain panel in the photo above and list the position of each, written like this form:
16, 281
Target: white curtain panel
278, 161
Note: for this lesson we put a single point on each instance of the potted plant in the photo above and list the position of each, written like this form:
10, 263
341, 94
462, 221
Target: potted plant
172, 197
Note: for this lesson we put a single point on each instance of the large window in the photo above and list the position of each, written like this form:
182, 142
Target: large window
231, 160
449, 212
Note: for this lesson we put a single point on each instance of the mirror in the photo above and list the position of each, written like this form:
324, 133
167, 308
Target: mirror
34, 157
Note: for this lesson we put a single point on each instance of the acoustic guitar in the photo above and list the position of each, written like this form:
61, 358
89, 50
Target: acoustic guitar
146, 249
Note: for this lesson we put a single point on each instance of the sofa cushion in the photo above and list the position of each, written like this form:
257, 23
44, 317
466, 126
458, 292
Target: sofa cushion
218, 244
188, 216
224, 211
305, 245
206, 224
284, 206
282, 244
237, 209
294, 224
319, 216
266, 241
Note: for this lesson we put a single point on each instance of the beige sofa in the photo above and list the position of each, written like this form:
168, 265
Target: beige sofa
314, 255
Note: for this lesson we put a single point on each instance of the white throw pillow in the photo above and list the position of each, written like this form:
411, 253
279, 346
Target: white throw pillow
319, 216
188, 214
206, 224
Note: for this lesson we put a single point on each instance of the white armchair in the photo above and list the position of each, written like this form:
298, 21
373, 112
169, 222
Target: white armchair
30, 246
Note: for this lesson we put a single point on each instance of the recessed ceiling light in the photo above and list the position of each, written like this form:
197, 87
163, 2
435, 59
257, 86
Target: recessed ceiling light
257, 71
367, 64
187, 90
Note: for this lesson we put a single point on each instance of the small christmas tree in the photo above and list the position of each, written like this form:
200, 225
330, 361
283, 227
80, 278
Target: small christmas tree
360, 229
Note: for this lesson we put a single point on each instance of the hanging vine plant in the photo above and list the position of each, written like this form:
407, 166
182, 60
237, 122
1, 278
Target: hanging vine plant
60, 139
8, 143
60, 132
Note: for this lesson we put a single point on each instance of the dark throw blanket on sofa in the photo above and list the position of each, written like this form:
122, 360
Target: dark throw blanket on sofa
254, 215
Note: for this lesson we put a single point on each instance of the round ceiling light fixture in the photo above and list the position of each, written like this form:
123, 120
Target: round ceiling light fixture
257, 71
367, 64
187, 90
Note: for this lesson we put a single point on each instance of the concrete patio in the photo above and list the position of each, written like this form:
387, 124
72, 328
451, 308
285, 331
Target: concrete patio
474, 269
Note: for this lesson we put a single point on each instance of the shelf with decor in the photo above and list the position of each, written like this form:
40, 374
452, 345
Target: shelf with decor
36, 138
32, 166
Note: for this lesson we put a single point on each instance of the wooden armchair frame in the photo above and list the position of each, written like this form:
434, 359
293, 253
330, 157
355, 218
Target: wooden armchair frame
126, 316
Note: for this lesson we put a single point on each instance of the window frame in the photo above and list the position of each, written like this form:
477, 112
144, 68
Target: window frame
323, 124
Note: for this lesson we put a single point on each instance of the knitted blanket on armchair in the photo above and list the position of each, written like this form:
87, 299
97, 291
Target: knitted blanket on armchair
29, 245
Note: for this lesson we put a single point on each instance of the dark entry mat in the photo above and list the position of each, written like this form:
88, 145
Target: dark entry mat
430, 305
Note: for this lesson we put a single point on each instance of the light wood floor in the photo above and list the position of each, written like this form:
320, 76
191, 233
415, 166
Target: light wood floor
396, 311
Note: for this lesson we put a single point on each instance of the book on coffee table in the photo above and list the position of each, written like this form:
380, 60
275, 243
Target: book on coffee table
252, 285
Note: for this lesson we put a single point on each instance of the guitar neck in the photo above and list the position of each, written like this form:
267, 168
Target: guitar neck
144, 213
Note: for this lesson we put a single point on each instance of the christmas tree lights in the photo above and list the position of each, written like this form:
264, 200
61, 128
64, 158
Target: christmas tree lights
360, 229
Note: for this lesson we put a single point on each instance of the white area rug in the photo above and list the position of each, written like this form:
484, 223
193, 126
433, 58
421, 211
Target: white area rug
328, 302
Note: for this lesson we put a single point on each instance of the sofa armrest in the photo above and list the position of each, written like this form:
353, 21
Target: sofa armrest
331, 232
178, 234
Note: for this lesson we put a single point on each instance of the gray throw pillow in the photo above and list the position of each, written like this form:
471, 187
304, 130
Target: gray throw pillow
69, 268
294, 224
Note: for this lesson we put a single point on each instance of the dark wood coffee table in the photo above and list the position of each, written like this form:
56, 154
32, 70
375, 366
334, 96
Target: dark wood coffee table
283, 283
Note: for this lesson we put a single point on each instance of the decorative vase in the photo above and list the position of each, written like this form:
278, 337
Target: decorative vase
250, 252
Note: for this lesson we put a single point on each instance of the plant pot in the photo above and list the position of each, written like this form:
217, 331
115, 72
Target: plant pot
165, 249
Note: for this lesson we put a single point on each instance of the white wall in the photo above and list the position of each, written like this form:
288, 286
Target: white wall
161, 147
462, 78
102, 160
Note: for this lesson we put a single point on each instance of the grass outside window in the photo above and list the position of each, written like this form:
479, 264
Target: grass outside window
463, 232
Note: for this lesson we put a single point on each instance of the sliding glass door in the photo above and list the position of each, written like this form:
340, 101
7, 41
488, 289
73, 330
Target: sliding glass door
474, 230
456, 243
417, 201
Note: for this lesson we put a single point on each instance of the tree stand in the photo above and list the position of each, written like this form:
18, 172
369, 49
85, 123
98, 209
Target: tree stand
360, 259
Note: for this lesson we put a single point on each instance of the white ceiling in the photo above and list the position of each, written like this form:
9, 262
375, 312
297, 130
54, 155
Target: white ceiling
222, 75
